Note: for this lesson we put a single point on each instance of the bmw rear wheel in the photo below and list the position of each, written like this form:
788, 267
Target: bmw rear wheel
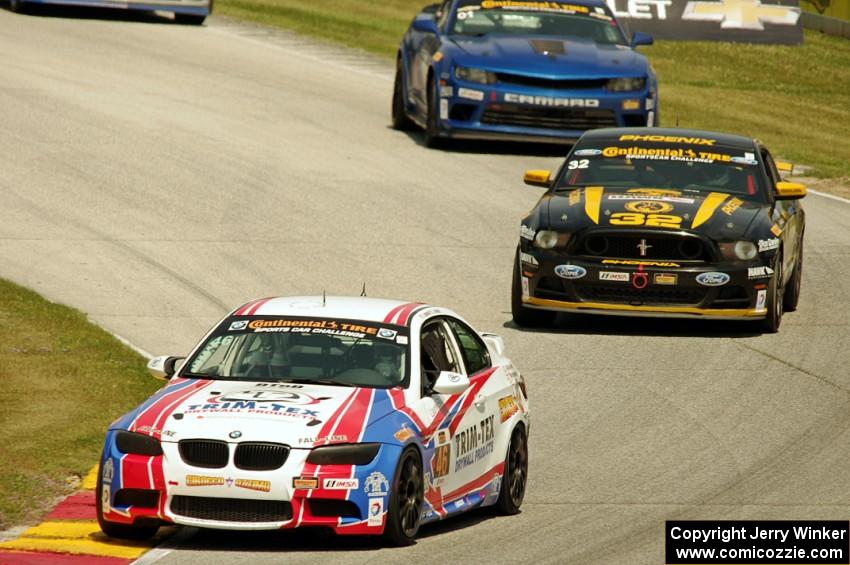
515, 477
405, 505
522, 316
112, 529
775, 300
400, 121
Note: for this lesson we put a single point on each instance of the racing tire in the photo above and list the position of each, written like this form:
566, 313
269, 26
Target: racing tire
775, 300
792, 289
522, 316
432, 120
400, 121
18, 6
515, 477
112, 529
405, 505
189, 19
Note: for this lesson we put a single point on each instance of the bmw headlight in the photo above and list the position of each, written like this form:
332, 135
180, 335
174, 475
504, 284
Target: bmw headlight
138, 444
549, 239
471, 74
344, 454
626, 84
739, 250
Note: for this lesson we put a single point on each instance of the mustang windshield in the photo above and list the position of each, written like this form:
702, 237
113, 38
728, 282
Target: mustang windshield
666, 162
550, 19
327, 351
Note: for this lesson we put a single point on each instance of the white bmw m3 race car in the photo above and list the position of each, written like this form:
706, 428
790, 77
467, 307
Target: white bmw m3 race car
362, 415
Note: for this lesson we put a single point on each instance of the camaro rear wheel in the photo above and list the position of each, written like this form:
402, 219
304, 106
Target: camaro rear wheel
405, 506
526, 317
113, 530
792, 290
775, 300
515, 476
400, 121
189, 19
17, 6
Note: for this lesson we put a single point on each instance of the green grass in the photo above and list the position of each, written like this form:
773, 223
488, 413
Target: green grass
63, 380
795, 99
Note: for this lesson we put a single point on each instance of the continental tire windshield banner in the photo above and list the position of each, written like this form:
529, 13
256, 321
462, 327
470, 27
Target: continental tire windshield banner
748, 21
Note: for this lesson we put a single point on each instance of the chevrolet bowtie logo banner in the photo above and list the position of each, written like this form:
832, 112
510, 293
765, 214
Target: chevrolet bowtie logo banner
750, 21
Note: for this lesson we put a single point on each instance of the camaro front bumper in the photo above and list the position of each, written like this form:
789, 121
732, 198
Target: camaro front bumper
189, 7
653, 288
350, 499
518, 112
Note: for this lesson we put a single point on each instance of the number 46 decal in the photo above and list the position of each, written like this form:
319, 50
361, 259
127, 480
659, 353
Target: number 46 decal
648, 220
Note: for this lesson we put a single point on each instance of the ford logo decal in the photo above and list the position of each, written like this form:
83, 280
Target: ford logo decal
570, 271
713, 279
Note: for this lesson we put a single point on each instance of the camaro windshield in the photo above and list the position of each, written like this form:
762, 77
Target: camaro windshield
326, 351
701, 166
550, 19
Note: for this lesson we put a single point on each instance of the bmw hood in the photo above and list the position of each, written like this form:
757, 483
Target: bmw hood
553, 57
719, 215
293, 414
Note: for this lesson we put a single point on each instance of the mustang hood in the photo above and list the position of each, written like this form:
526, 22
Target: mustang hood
718, 214
258, 411
554, 57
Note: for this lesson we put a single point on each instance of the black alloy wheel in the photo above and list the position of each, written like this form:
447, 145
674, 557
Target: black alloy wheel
405, 508
775, 299
526, 317
400, 121
515, 476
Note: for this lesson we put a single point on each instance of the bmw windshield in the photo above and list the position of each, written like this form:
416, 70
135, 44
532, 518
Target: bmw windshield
660, 162
545, 19
309, 350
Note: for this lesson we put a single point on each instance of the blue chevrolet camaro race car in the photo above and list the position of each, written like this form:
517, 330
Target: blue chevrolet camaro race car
522, 70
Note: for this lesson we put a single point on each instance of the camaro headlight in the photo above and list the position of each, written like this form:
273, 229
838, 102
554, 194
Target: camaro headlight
626, 84
344, 454
472, 74
138, 444
549, 239
739, 250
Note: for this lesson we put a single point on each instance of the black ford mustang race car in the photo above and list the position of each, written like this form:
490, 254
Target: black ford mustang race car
662, 222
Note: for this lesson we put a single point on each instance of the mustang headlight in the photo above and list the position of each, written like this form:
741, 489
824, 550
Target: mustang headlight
138, 444
472, 74
739, 250
345, 454
626, 84
549, 239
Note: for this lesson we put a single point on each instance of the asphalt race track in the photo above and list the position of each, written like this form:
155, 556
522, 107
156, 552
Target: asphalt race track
155, 175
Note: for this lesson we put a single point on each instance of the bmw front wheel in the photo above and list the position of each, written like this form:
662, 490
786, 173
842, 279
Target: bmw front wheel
405, 506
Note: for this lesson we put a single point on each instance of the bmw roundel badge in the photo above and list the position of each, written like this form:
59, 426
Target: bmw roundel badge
236, 434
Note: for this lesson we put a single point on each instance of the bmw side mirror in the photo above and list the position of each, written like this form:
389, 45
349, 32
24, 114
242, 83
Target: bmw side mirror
640, 38
425, 24
163, 367
451, 383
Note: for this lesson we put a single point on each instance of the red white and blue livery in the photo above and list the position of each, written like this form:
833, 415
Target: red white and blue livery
363, 415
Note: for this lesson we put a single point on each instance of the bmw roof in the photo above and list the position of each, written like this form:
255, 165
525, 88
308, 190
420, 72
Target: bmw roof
342, 307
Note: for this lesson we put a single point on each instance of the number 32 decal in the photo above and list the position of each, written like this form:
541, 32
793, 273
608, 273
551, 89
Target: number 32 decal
648, 220
578, 164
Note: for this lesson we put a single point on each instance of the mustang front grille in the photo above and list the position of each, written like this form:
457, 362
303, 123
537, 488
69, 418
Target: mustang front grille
639, 297
231, 509
260, 456
205, 453
547, 117
648, 247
